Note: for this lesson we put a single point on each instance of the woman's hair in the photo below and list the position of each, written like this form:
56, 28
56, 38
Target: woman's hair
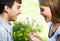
54, 6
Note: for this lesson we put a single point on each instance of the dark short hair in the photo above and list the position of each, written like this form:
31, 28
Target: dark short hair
9, 3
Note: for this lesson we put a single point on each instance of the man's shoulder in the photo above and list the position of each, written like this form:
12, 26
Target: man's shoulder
1, 27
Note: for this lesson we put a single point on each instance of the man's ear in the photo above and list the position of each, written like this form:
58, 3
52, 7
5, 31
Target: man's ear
6, 9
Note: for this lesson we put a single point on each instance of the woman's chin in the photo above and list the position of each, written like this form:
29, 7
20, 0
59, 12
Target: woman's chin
47, 21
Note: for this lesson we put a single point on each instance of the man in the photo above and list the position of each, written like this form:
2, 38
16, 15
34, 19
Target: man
9, 9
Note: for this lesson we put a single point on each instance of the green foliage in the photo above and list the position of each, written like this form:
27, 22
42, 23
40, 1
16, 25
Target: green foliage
20, 31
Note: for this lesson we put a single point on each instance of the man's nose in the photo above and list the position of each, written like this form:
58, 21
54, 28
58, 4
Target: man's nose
19, 11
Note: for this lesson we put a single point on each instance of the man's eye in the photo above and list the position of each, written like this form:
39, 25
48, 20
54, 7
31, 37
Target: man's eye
41, 9
18, 7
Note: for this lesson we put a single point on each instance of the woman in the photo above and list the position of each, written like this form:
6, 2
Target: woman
50, 9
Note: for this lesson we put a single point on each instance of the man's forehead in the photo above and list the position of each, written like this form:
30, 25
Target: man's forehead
16, 3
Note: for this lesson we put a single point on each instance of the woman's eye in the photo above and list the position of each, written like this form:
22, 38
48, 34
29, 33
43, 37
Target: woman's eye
41, 9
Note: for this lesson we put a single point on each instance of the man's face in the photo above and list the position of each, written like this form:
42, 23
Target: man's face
14, 11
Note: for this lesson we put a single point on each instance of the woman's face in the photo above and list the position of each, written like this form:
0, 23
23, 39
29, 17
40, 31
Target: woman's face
46, 12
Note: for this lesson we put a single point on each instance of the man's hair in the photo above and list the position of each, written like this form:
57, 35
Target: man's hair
8, 3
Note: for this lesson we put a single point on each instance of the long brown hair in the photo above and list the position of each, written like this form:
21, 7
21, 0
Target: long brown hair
54, 6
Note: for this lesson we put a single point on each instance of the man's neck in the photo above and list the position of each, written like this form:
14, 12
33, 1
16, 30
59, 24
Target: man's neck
4, 16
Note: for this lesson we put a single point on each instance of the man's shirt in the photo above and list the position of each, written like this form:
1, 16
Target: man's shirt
5, 31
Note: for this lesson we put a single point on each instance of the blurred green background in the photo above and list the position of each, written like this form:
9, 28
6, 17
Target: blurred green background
29, 20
